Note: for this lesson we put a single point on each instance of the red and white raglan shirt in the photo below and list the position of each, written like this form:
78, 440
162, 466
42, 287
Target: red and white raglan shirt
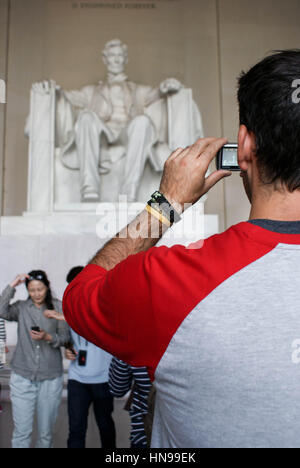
218, 327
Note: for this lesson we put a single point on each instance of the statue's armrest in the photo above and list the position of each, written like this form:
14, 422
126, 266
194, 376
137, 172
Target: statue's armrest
184, 119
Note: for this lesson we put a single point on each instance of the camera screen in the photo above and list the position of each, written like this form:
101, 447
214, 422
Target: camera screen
230, 157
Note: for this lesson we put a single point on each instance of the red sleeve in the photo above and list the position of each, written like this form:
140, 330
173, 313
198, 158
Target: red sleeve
134, 310
128, 310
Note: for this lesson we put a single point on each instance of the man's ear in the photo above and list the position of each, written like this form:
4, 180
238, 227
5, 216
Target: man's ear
246, 145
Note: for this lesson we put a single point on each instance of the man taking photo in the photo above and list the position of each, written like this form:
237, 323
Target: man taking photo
216, 324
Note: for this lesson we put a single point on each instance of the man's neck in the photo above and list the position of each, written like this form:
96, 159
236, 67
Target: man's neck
280, 205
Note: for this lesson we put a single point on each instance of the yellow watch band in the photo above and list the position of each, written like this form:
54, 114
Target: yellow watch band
158, 215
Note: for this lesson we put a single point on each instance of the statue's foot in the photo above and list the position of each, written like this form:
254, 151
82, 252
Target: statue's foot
90, 197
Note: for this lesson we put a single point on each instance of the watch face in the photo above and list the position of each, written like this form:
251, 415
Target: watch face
158, 197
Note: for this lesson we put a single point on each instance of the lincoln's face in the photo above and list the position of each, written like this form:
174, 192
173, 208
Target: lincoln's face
115, 59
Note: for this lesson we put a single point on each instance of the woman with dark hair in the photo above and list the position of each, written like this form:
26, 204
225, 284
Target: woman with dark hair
41, 277
37, 371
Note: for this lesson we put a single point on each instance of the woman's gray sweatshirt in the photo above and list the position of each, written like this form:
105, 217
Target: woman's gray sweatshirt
35, 360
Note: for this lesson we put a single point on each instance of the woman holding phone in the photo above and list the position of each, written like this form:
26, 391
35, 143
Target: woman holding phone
37, 370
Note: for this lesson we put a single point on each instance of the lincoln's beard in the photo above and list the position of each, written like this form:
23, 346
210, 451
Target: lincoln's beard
115, 71
116, 78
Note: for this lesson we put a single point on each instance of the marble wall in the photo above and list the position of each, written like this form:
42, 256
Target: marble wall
204, 43
248, 31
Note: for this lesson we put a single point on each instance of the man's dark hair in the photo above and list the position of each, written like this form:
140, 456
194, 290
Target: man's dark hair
267, 109
73, 273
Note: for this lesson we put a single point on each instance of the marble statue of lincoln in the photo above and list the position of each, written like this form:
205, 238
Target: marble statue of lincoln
114, 109
111, 114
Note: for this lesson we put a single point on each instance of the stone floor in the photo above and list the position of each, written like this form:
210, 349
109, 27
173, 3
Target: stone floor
120, 416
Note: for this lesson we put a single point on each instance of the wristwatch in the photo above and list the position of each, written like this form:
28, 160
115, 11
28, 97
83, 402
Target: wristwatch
159, 202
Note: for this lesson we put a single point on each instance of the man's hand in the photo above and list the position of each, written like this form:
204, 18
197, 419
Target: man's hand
183, 180
52, 314
70, 355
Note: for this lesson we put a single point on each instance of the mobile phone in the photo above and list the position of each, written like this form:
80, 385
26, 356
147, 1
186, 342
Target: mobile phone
227, 158
36, 329
82, 356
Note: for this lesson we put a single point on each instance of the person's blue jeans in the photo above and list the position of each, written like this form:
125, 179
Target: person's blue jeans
80, 398
28, 396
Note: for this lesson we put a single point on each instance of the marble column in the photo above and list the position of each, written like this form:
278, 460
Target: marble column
4, 14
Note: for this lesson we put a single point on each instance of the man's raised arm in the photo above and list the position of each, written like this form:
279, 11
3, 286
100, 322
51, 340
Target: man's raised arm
123, 301
183, 183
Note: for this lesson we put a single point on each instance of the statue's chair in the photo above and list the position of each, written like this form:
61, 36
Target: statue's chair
52, 187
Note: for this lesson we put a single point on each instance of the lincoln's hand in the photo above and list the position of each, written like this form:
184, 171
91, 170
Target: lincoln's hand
170, 85
44, 87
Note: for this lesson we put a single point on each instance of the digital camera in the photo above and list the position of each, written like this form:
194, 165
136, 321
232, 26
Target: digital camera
227, 158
